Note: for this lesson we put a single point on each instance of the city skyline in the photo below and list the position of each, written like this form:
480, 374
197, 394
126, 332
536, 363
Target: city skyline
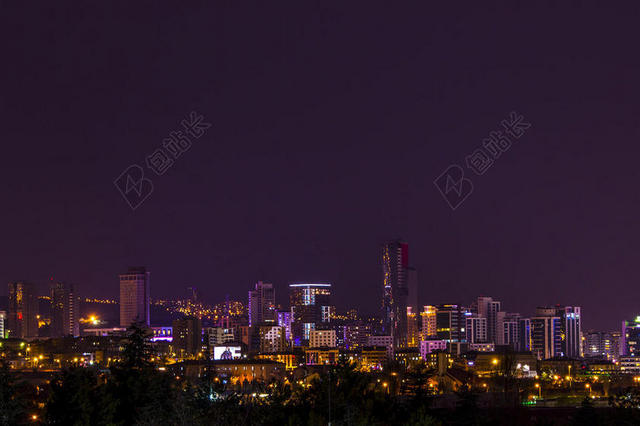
470, 301
320, 213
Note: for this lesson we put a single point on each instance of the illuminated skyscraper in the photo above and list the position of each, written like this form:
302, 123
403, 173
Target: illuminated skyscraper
524, 335
428, 322
310, 306
567, 341
451, 322
476, 329
546, 333
489, 308
630, 338
514, 331
3, 324
600, 345
413, 331
134, 297
262, 304
64, 310
572, 331
395, 269
23, 310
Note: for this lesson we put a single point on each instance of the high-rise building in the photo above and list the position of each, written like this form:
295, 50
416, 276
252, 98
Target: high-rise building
395, 269
616, 345
507, 329
524, 335
571, 330
272, 338
476, 329
284, 320
546, 334
413, 330
3, 323
134, 297
22, 319
428, 316
451, 323
489, 308
310, 306
214, 336
570, 333
187, 335
64, 310
262, 304
600, 345
356, 335
630, 337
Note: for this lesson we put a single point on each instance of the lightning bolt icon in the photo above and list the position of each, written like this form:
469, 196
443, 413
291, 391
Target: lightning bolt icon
452, 185
133, 185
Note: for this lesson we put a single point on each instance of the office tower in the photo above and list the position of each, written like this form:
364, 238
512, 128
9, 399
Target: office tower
546, 334
64, 310
134, 297
428, 316
489, 308
395, 265
213, 336
284, 320
3, 323
413, 330
476, 329
22, 319
310, 307
524, 335
451, 322
600, 345
572, 331
507, 329
262, 304
616, 345
187, 335
630, 337
356, 335
272, 338
570, 328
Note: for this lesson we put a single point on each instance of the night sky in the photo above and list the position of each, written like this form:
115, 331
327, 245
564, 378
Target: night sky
329, 125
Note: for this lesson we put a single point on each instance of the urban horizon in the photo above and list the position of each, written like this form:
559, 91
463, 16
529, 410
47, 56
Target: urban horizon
370, 307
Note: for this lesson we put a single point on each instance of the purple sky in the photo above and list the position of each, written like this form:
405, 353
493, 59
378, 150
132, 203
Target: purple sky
330, 124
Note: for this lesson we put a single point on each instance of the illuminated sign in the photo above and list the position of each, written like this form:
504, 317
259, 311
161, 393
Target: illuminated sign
226, 352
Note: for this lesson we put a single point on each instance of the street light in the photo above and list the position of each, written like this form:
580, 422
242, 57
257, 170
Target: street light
539, 390
588, 386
